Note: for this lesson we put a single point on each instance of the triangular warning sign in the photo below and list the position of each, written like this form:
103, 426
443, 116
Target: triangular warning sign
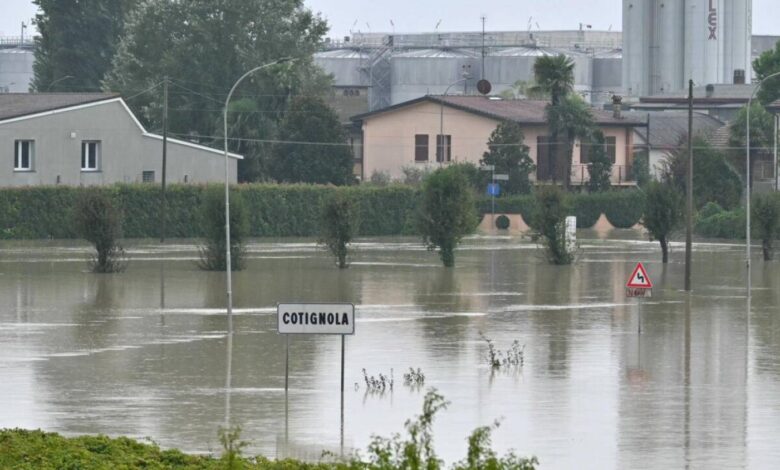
639, 279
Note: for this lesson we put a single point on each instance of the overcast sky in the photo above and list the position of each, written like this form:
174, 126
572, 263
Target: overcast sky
423, 15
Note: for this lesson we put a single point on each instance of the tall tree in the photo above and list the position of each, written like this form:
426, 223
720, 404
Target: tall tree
569, 120
204, 46
554, 75
313, 148
761, 136
663, 214
509, 154
765, 65
600, 168
77, 41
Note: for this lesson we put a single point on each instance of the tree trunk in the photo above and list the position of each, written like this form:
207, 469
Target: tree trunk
766, 245
664, 249
447, 254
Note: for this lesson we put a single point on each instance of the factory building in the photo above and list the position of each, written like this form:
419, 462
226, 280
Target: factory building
16, 64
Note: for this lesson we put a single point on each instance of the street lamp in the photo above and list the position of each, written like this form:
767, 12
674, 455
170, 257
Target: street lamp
227, 184
441, 117
57, 81
747, 169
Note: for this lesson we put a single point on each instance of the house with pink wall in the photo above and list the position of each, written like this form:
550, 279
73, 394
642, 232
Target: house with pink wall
433, 131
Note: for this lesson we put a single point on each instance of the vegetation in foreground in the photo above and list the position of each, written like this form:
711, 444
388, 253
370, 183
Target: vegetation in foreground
38, 450
99, 222
339, 225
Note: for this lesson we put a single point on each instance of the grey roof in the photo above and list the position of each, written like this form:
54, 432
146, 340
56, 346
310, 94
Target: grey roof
342, 54
530, 112
668, 128
526, 52
13, 105
437, 54
720, 93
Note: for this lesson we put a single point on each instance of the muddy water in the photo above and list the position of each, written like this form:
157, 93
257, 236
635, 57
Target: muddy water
144, 353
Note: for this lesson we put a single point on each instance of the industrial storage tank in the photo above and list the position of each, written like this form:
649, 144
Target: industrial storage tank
416, 73
346, 66
16, 69
607, 76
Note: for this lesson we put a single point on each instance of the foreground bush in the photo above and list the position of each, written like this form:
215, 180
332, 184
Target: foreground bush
213, 251
37, 450
549, 223
663, 213
98, 221
339, 224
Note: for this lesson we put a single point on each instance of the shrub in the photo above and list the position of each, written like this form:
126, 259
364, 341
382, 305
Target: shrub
766, 213
549, 223
663, 213
510, 156
380, 178
587, 208
414, 176
98, 221
600, 168
723, 224
446, 212
212, 253
709, 209
640, 169
624, 209
339, 225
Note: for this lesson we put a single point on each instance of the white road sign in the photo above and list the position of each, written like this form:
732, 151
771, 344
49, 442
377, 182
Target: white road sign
328, 319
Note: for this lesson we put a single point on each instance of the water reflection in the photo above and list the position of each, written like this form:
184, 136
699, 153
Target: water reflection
150, 352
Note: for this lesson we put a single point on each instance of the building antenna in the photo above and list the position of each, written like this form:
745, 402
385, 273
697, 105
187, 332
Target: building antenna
437, 26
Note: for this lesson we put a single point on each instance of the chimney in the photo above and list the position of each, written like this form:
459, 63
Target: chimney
617, 106
739, 77
710, 90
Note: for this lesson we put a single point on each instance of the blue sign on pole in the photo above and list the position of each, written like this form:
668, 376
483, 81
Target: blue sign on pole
493, 189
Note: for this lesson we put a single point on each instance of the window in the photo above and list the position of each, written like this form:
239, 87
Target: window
147, 176
90, 155
443, 148
23, 155
611, 143
421, 148
543, 160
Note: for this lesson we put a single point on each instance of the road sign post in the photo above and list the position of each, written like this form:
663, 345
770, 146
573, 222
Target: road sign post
317, 319
639, 286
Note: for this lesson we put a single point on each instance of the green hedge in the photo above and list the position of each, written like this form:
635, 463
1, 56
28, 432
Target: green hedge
274, 210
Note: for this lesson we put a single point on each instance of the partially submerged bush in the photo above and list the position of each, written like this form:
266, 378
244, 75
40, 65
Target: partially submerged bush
549, 223
766, 212
98, 221
339, 225
663, 213
212, 253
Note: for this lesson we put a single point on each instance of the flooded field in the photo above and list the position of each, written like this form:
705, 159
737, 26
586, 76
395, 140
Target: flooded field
144, 353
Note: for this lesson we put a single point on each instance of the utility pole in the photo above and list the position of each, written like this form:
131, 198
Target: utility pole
163, 215
482, 71
689, 191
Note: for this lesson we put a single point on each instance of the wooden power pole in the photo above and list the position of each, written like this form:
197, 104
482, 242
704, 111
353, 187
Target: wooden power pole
689, 194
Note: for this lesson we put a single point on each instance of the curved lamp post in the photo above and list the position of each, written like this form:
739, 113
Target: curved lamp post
441, 117
48, 88
747, 169
228, 263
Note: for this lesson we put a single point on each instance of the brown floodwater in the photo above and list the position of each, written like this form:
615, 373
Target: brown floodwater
144, 353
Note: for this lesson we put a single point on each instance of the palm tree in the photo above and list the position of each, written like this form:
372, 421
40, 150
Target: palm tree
554, 75
570, 120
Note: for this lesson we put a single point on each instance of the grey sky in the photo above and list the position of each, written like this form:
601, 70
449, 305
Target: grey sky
422, 15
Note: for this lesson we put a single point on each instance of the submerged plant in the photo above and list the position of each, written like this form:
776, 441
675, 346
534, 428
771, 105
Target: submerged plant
379, 384
232, 446
99, 222
414, 378
512, 357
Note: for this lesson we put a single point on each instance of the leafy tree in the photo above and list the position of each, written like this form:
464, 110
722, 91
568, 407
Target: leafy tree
761, 136
568, 121
510, 156
549, 223
714, 179
640, 169
447, 211
77, 41
296, 160
339, 225
212, 218
766, 213
600, 164
554, 76
765, 65
99, 222
204, 46
663, 213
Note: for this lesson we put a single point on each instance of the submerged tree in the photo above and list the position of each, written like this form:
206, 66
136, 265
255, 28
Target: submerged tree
766, 212
212, 214
663, 213
99, 222
761, 136
570, 120
549, 223
447, 211
509, 155
339, 224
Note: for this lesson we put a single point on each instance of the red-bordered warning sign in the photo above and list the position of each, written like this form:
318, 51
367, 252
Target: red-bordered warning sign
639, 278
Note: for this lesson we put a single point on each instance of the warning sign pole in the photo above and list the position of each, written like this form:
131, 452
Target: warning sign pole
639, 286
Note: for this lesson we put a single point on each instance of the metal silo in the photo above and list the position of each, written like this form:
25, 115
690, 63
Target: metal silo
667, 66
607, 76
416, 73
505, 67
345, 65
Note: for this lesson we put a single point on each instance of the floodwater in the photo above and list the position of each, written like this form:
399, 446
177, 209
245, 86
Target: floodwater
145, 353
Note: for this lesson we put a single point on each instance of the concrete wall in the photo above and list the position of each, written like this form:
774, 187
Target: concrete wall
125, 151
388, 140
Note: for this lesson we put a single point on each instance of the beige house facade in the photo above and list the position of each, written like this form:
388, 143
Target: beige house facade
408, 135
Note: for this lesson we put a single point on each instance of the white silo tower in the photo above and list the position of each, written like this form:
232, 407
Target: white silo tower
667, 42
